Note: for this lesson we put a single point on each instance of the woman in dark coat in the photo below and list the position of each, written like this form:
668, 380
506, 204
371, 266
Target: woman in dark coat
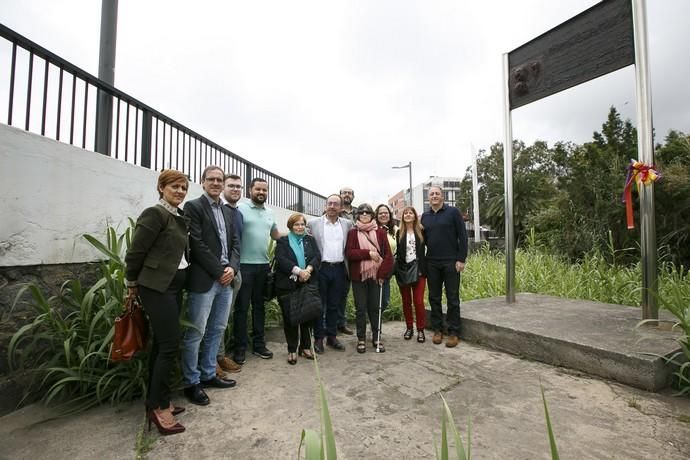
297, 263
156, 272
371, 262
411, 249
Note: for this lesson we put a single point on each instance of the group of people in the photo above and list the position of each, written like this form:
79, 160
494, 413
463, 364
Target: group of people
217, 249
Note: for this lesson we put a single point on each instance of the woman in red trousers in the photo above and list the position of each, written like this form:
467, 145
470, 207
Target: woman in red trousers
411, 249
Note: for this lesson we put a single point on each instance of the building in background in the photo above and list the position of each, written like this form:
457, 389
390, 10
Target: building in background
420, 193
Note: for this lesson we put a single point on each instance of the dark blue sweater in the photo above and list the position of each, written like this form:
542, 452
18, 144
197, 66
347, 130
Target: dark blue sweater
445, 235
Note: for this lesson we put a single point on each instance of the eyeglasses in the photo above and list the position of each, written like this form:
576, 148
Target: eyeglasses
214, 179
365, 213
234, 187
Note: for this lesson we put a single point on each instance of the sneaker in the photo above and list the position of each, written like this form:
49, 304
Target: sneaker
263, 352
437, 338
452, 341
228, 365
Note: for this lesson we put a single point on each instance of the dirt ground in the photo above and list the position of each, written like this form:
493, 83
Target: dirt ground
383, 406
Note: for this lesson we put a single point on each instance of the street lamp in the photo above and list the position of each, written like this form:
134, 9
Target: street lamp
409, 166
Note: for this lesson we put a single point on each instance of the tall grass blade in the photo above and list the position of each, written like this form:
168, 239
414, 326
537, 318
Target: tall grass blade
552, 439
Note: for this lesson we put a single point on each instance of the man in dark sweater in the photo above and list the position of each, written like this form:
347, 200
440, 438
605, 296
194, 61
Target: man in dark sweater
446, 251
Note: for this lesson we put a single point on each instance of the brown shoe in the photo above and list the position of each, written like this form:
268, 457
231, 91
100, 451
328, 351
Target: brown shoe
219, 372
228, 365
452, 341
437, 338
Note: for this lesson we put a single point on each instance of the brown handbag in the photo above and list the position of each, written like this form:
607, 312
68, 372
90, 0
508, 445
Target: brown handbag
131, 331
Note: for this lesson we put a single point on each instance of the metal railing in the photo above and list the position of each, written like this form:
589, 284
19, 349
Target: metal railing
52, 97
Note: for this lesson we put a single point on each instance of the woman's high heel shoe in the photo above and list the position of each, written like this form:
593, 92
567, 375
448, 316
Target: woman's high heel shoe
409, 332
420, 336
292, 358
164, 421
176, 410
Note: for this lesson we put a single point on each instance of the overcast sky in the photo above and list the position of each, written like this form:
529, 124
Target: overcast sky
331, 93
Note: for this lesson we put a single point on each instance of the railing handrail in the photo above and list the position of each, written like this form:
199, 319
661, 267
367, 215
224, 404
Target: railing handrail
61, 63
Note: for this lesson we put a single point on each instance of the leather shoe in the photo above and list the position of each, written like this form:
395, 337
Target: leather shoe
219, 372
216, 382
335, 344
345, 330
437, 338
318, 346
452, 341
228, 365
197, 395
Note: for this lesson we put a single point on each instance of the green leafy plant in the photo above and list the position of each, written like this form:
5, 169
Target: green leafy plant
319, 446
66, 347
448, 424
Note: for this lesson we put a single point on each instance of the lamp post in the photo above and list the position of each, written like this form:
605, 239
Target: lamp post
409, 166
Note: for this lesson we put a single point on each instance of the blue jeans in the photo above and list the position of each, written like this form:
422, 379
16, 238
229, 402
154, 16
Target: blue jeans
208, 312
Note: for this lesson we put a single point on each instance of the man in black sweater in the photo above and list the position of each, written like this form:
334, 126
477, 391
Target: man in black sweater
446, 251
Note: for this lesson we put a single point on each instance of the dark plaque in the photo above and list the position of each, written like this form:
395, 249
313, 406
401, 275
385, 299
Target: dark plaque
593, 43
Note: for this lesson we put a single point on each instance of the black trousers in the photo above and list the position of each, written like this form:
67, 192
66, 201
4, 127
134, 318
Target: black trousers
252, 291
297, 335
440, 274
366, 294
163, 310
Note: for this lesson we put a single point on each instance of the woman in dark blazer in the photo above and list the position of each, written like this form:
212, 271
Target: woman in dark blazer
371, 262
411, 248
297, 262
156, 271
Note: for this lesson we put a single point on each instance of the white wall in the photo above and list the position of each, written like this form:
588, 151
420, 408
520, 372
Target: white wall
53, 193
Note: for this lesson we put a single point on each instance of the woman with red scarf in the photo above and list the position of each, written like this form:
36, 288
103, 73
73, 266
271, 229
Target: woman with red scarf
371, 262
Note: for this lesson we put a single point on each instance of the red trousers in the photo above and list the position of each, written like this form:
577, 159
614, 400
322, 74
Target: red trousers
414, 293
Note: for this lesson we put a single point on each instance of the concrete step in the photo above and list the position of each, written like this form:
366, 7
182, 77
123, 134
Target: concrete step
597, 338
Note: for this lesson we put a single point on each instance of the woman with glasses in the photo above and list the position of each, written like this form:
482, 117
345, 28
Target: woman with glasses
298, 260
384, 219
371, 263
411, 250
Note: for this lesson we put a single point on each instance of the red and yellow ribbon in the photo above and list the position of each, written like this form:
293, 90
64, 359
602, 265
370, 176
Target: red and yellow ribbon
641, 174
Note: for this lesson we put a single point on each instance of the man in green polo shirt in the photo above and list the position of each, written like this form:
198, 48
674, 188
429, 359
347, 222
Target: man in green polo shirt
259, 226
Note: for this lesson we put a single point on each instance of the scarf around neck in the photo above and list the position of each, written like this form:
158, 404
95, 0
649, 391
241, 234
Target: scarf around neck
366, 236
297, 246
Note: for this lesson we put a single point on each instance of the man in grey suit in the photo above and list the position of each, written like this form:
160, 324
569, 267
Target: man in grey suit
330, 232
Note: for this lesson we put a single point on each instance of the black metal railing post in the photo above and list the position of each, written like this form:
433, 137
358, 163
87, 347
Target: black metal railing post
146, 125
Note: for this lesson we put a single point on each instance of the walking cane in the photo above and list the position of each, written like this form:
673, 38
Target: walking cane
378, 342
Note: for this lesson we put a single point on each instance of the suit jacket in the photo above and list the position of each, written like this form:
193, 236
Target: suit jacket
156, 249
204, 240
286, 260
315, 229
420, 250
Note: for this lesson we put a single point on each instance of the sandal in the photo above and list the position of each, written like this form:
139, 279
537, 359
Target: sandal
380, 348
409, 332
420, 336
292, 358
361, 346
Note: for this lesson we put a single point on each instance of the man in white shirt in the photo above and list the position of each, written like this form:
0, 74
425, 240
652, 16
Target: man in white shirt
330, 232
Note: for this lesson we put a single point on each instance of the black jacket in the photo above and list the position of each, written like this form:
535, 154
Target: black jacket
420, 249
204, 241
285, 260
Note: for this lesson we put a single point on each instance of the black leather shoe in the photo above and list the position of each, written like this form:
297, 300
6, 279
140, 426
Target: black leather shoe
239, 356
263, 352
318, 346
335, 344
217, 382
197, 395
345, 330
